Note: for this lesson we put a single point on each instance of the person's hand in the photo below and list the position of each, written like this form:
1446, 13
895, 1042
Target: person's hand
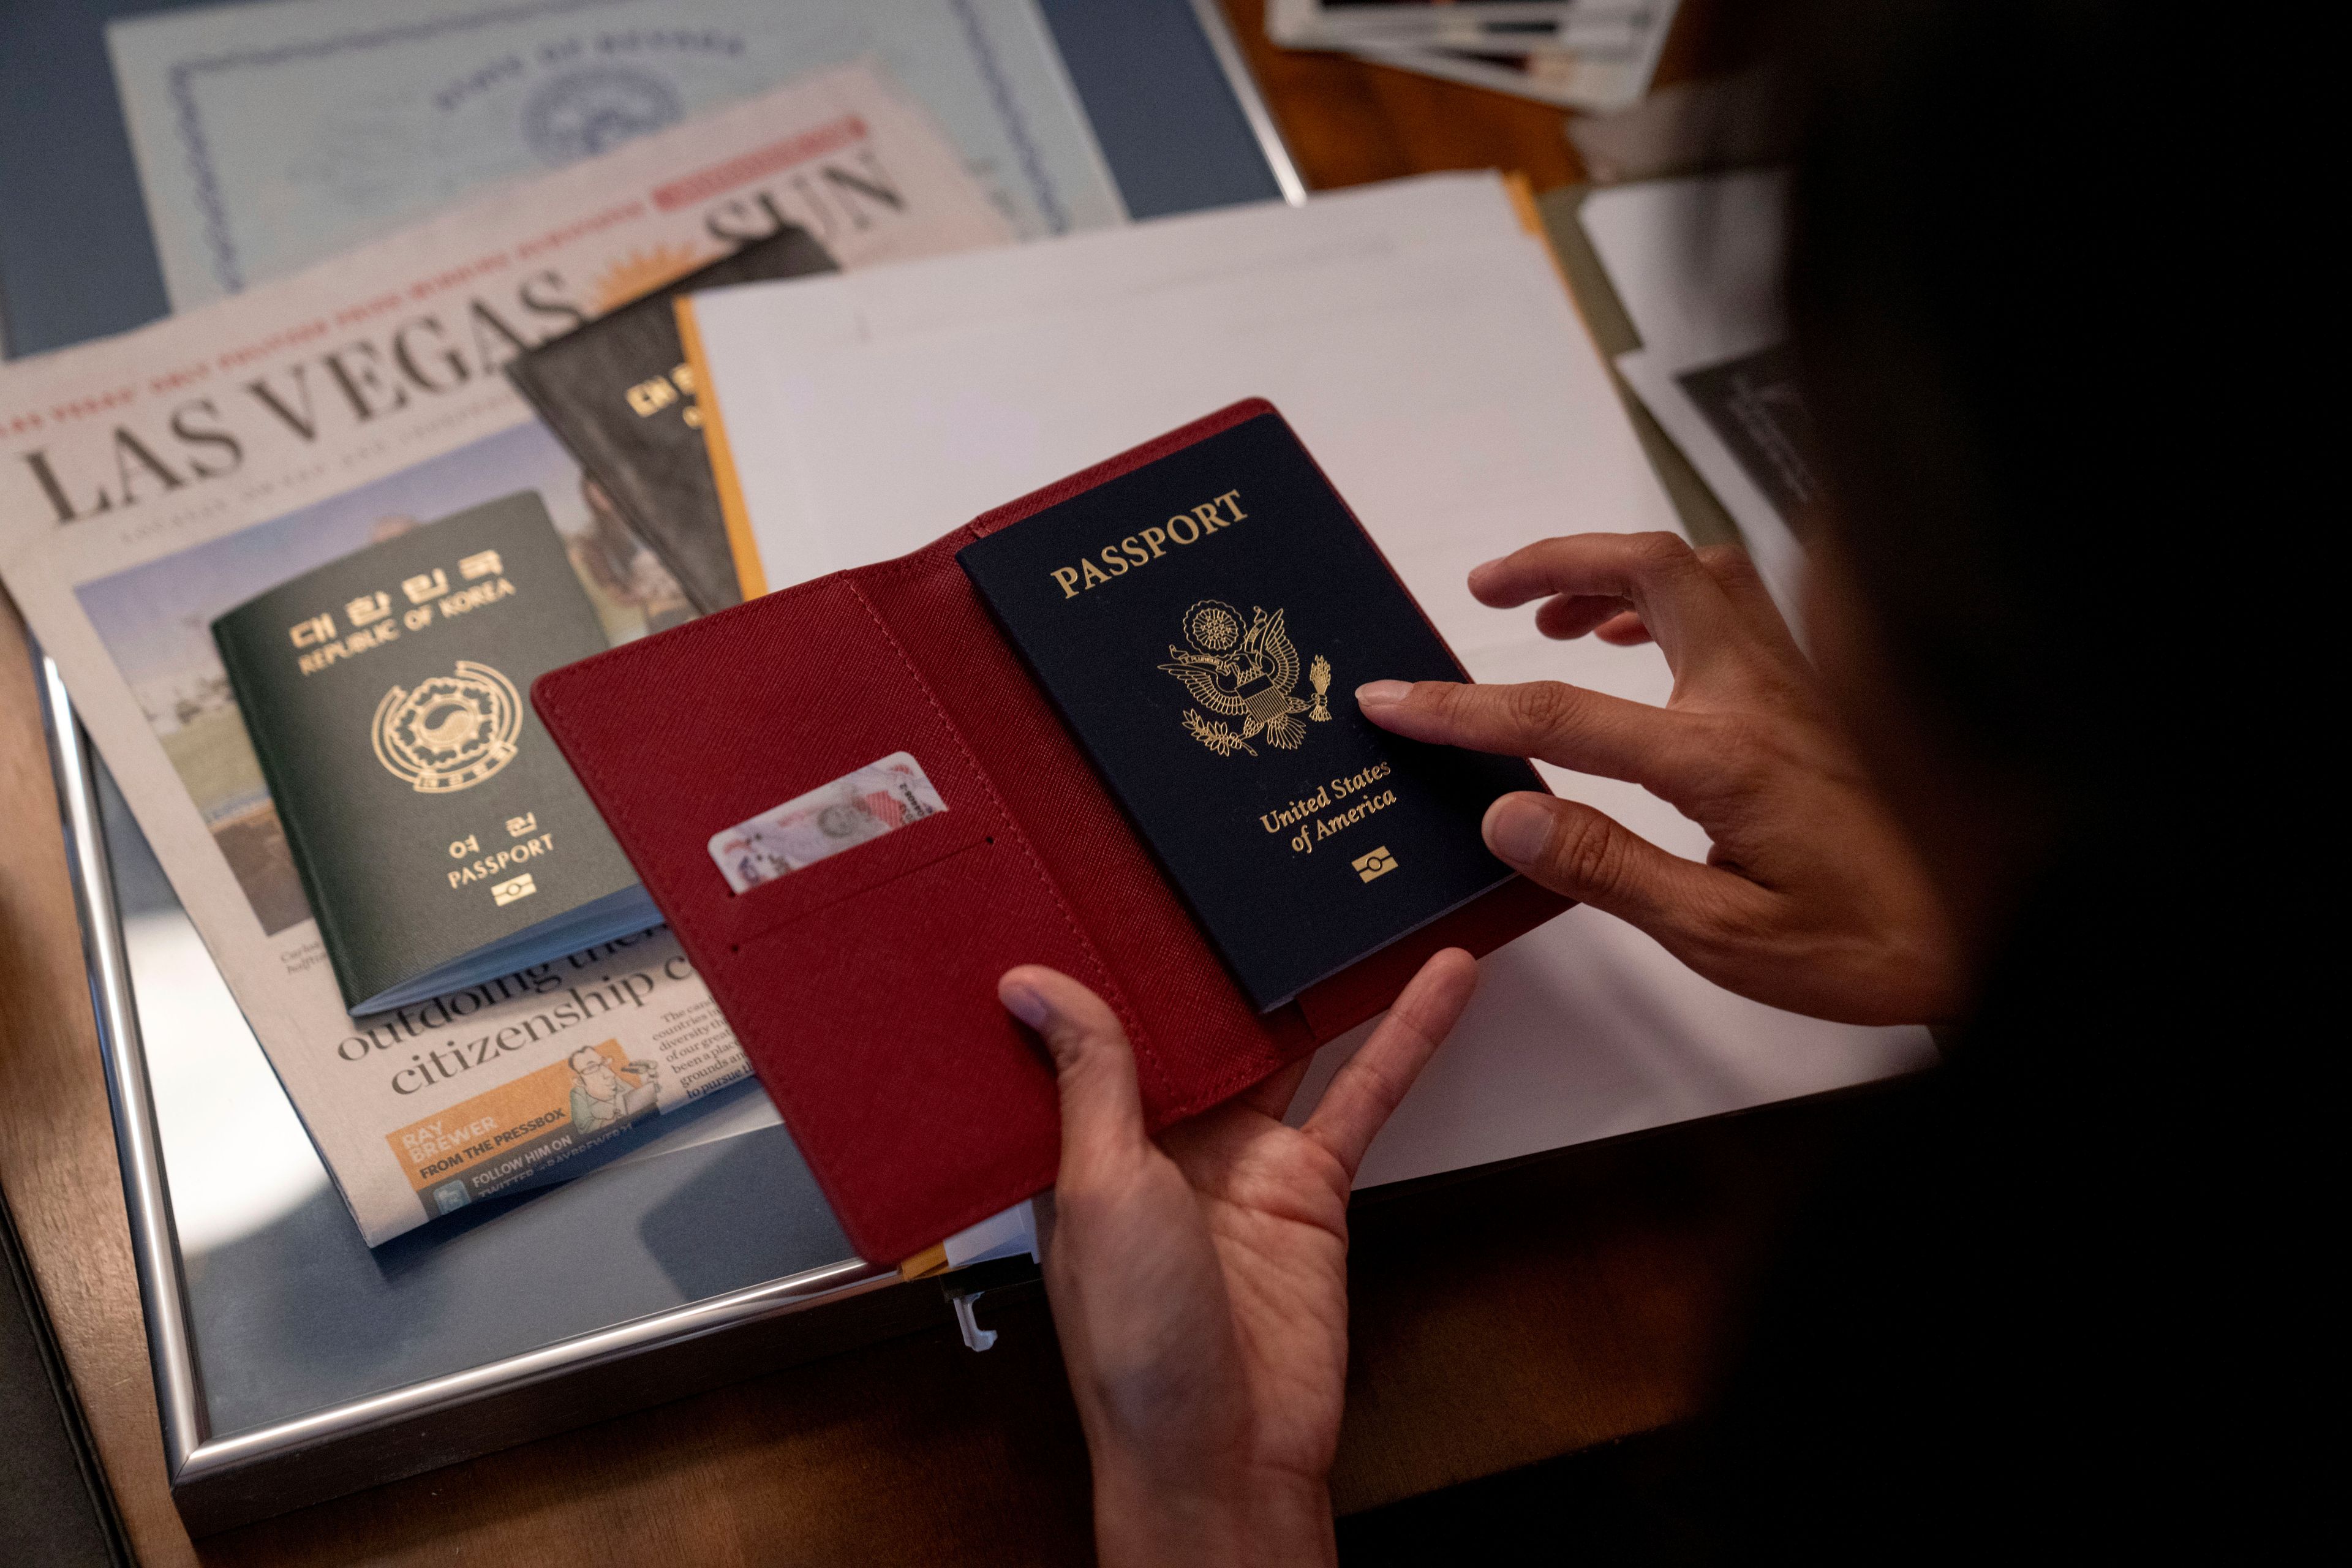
1199, 1284
1811, 899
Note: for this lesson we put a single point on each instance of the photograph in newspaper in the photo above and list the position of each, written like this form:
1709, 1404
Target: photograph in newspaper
156, 620
150, 480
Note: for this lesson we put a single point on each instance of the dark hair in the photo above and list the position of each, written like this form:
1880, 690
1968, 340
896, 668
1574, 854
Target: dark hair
2003, 342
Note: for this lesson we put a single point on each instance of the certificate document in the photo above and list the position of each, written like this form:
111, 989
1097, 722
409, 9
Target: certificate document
272, 136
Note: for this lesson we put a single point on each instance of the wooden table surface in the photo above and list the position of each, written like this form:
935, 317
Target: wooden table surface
1496, 1322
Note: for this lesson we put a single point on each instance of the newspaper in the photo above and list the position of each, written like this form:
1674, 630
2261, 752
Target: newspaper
150, 482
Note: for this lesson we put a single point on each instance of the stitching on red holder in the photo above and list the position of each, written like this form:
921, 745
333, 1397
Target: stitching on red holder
1117, 997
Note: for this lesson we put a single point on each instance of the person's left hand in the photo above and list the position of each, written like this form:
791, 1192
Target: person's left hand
1812, 896
1199, 1284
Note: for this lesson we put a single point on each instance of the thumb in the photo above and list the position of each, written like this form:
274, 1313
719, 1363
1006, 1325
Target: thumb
1571, 848
1102, 1109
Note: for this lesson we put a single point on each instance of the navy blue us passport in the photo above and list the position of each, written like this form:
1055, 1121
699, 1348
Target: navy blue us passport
1203, 623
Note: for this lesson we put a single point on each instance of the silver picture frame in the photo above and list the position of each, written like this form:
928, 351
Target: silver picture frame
221, 1479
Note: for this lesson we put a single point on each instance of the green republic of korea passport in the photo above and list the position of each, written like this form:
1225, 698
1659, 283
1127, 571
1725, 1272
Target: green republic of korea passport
440, 836
1203, 623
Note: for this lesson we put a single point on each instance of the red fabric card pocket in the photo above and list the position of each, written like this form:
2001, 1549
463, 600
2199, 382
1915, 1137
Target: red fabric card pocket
863, 987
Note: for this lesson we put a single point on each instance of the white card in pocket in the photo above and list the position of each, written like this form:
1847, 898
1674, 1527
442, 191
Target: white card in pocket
880, 797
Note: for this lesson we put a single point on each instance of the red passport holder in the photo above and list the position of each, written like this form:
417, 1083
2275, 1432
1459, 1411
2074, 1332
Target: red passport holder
863, 987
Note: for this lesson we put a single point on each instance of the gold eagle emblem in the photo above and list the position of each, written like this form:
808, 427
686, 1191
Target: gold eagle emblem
450, 733
1245, 671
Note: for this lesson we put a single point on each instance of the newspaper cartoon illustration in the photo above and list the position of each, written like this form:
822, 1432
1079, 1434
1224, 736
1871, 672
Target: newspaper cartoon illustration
601, 1097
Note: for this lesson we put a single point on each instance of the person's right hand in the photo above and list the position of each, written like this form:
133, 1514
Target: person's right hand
1200, 1279
1811, 899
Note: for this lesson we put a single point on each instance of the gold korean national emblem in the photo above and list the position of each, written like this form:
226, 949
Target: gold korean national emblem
1244, 673
451, 733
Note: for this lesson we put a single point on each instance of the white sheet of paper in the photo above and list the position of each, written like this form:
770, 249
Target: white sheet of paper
1419, 342
761, 344
1696, 264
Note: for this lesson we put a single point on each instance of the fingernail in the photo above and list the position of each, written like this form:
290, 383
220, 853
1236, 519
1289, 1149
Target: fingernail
1518, 828
1485, 566
1024, 1003
1379, 693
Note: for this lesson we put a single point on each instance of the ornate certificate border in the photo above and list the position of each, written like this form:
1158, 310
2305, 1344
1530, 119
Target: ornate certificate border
181, 79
